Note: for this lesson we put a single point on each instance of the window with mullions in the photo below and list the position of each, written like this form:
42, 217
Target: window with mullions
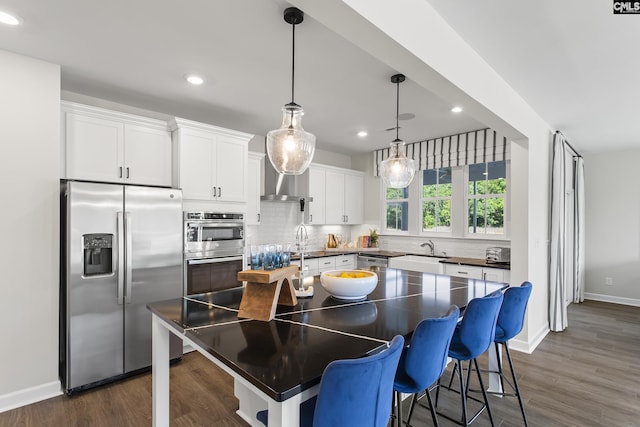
397, 209
486, 193
436, 200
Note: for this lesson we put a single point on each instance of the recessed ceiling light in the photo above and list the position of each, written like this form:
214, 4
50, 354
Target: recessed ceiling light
456, 109
194, 79
362, 134
9, 19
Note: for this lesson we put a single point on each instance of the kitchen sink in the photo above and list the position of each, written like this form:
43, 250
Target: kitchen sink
422, 263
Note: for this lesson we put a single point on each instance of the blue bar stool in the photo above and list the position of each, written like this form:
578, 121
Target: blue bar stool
353, 392
472, 337
510, 321
423, 361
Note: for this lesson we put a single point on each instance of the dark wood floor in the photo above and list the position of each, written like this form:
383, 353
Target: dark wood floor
586, 376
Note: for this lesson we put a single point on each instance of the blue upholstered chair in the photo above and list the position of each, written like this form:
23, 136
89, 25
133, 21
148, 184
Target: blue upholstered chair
424, 359
472, 337
510, 321
353, 392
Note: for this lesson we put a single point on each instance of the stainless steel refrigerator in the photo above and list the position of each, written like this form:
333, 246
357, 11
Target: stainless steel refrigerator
121, 248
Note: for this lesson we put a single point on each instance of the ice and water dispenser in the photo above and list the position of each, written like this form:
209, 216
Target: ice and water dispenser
98, 253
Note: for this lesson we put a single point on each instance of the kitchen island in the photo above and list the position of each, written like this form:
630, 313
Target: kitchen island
277, 365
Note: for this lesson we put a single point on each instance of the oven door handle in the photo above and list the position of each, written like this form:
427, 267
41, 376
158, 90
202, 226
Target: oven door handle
214, 260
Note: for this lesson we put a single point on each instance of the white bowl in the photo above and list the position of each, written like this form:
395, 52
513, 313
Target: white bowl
349, 288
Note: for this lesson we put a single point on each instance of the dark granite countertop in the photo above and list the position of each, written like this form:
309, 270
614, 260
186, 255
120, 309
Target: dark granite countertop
334, 252
288, 354
478, 262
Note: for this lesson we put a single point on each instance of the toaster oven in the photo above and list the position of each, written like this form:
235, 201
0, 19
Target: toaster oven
498, 255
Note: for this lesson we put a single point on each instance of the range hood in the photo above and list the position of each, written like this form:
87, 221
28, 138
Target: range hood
284, 188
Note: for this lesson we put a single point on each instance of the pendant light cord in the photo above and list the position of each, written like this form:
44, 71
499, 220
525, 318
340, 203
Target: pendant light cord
397, 111
293, 62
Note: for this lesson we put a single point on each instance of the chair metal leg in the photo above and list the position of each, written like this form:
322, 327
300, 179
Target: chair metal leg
463, 393
398, 408
499, 362
434, 416
414, 400
515, 383
484, 392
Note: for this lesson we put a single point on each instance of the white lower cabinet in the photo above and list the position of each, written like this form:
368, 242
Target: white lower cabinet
310, 267
467, 271
345, 262
315, 266
473, 272
326, 264
497, 275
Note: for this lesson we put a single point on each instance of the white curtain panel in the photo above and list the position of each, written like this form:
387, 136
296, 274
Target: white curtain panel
557, 297
566, 255
578, 261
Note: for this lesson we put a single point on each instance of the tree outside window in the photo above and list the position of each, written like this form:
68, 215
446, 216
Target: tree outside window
436, 200
486, 190
397, 209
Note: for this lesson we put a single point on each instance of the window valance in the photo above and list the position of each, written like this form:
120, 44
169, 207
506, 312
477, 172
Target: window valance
478, 146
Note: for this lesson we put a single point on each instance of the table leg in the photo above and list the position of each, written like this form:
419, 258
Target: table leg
249, 403
160, 373
495, 385
286, 413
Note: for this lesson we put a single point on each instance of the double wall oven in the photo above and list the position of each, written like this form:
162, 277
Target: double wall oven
213, 250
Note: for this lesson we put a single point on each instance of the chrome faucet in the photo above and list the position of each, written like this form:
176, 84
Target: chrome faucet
431, 245
302, 239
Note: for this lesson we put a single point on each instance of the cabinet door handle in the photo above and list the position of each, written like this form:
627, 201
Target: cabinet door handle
310, 217
219, 191
120, 173
258, 217
213, 191
127, 172
463, 272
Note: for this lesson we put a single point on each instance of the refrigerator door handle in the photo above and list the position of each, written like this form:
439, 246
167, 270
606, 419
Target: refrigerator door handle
120, 238
128, 250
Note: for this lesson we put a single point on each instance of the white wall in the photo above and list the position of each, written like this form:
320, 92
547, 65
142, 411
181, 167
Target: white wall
29, 228
612, 216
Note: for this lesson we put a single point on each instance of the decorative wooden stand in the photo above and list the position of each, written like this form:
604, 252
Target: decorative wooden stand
265, 290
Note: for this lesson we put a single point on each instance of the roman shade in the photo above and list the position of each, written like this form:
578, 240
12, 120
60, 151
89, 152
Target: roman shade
478, 146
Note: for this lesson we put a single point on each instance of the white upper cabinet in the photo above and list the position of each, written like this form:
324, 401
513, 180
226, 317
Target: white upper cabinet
211, 162
317, 192
354, 197
254, 180
109, 146
344, 196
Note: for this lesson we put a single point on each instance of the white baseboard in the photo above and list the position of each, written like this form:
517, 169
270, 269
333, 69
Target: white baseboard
615, 300
30, 395
529, 346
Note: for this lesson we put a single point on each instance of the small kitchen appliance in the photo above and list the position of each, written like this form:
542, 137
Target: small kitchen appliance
498, 255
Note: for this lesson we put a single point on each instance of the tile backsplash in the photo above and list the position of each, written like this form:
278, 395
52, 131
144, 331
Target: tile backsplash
280, 221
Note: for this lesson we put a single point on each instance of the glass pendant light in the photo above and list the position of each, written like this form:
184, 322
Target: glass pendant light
398, 170
290, 148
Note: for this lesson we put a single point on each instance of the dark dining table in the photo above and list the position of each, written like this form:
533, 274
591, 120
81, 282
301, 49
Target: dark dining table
277, 365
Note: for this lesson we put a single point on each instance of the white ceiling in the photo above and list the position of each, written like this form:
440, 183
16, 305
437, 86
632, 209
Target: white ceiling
573, 61
137, 52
